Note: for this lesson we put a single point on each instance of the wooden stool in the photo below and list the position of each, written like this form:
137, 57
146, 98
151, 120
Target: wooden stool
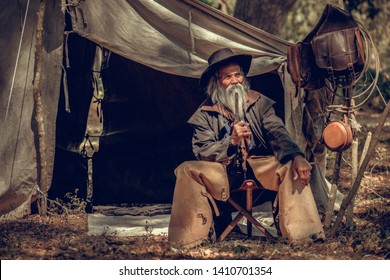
248, 186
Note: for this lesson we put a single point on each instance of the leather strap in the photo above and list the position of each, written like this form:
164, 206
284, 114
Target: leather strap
209, 196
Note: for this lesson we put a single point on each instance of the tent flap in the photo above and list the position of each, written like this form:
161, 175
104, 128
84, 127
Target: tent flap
176, 36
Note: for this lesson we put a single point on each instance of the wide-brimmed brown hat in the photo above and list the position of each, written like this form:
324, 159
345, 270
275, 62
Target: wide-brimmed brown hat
221, 57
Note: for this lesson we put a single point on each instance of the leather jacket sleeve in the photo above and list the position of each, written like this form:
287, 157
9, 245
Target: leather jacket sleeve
282, 145
207, 142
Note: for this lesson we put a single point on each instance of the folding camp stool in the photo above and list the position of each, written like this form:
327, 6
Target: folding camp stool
248, 186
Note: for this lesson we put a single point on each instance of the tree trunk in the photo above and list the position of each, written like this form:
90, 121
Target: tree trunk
39, 114
264, 14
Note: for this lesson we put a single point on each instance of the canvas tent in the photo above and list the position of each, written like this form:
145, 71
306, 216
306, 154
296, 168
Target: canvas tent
151, 55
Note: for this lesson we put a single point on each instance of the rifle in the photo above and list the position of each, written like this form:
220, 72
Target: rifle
243, 146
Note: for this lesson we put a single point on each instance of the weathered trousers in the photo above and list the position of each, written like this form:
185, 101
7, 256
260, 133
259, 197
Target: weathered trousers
198, 182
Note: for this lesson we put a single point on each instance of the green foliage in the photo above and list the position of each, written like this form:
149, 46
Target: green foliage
372, 9
302, 18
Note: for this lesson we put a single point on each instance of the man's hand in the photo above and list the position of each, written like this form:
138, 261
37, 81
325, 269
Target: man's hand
240, 130
302, 170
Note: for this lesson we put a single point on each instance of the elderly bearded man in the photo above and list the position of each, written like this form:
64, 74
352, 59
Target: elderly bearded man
233, 112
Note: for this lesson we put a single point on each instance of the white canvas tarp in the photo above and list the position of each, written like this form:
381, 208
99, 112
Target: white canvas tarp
175, 37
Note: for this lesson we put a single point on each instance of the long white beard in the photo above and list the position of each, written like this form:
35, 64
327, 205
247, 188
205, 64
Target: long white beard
234, 99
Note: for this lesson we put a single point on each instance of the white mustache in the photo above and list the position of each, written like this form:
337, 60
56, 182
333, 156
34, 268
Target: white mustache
234, 89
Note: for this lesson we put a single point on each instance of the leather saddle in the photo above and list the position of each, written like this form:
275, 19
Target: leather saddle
333, 48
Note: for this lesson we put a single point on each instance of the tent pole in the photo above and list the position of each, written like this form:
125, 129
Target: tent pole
355, 166
38, 110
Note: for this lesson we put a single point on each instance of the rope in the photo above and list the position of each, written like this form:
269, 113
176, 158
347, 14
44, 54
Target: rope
16, 67
380, 92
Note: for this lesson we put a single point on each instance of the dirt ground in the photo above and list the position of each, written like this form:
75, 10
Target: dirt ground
64, 236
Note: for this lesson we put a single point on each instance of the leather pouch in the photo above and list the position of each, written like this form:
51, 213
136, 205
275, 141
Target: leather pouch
337, 51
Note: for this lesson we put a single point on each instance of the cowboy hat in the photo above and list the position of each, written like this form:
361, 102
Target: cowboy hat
223, 57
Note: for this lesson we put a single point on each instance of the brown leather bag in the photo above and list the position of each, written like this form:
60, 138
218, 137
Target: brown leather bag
339, 52
336, 46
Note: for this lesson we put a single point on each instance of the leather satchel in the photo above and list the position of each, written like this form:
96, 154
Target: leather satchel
333, 48
336, 51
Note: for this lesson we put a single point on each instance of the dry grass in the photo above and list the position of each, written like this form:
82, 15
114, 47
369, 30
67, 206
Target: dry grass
66, 237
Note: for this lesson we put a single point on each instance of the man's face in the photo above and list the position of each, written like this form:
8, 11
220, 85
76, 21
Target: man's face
230, 75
